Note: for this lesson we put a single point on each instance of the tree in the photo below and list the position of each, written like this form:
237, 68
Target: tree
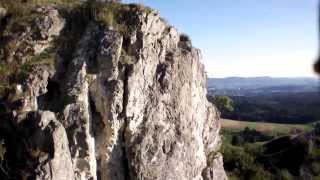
223, 103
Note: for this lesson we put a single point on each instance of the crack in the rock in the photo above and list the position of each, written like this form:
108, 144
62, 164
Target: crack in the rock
127, 72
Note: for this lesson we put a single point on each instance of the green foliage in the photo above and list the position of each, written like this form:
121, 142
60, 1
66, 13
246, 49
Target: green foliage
223, 103
78, 13
240, 160
18, 72
47, 57
240, 163
22, 12
184, 37
25, 6
289, 108
64, 3
284, 157
6, 70
21, 16
106, 14
120, 17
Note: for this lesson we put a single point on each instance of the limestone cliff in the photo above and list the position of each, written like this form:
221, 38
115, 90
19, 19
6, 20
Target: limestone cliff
103, 91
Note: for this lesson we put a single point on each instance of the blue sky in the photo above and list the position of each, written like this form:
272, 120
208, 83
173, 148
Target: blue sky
247, 37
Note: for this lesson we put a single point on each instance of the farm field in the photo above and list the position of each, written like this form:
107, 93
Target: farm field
266, 128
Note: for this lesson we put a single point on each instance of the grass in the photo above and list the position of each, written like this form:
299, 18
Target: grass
22, 14
31, 3
17, 72
64, 3
120, 17
47, 57
123, 18
267, 128
22, 11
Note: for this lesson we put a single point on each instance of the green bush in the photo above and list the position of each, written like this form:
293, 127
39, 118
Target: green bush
240, 163
120, 17
223, 103
184, 38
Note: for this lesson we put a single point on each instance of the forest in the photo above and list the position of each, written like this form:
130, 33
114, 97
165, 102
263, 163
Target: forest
295, 108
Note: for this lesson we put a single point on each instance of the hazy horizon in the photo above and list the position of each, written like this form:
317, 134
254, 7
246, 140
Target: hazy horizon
273, 77
247, 37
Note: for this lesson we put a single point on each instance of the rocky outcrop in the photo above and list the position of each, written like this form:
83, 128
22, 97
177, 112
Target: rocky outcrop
126, 105
26, 41
36, 147
48, 146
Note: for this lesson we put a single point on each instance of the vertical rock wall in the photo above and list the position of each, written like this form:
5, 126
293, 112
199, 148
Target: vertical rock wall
132, 106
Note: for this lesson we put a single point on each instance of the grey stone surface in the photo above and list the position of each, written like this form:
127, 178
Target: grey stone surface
32, 39
38, 147
48, 132
158, 123
77, 114
133, 105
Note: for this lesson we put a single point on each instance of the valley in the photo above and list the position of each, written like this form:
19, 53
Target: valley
270, 127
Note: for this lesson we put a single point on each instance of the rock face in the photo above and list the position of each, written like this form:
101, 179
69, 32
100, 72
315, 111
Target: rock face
123, 106
31, 40
49, 144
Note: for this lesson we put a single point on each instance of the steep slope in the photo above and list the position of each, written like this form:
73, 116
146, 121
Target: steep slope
103, 91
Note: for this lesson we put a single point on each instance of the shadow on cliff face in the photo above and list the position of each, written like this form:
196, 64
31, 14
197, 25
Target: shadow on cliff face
52, 99
22, 145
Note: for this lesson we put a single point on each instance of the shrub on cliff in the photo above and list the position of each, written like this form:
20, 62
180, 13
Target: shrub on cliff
223, 103
184, 37
120, 17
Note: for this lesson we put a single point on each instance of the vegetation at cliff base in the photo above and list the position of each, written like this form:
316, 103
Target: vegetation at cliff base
285, 108
251, 153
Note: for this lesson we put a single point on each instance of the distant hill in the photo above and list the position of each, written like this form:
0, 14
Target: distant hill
260, 85
266, 99
259, 82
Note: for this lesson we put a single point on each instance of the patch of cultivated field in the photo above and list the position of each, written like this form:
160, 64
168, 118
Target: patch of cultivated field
269, 128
